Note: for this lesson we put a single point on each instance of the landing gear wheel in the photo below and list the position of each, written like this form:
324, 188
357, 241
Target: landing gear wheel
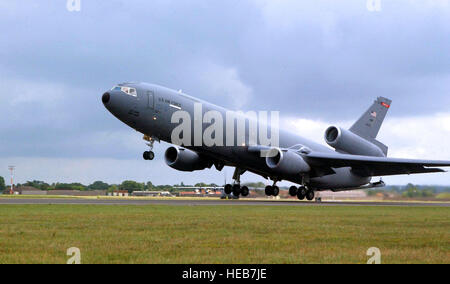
275, 191
148, 155
245, 191
301, 194
228, 189
310, 195
293, 190
269, 190
236, 190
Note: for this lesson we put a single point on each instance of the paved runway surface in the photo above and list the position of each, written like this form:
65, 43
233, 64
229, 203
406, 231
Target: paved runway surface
211, 202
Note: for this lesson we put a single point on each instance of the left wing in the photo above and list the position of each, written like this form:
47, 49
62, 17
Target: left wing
367, 166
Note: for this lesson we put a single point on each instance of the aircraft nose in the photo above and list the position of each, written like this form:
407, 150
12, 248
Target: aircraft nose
106, 97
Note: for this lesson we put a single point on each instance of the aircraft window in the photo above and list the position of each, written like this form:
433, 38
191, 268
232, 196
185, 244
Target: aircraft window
126, 90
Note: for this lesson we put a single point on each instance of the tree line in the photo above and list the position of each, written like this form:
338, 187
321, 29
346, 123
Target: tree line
128, 185
409, 190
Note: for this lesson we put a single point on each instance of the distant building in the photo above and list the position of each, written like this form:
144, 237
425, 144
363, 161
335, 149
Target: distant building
343, 195
29, 190
198, 194
151, 193
122, 193
59, 192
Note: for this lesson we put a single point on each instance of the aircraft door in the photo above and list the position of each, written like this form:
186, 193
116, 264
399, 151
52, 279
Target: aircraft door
150, 100
152, 107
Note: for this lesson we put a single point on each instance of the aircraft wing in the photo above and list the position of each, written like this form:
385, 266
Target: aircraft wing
375, 166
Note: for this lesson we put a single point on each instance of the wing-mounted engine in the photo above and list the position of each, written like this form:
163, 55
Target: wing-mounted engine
185, 160
286, 162
346, 141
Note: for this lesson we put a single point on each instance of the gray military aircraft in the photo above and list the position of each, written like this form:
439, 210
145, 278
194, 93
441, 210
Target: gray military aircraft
355, 159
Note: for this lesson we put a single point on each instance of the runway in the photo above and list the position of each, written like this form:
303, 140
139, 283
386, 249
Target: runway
215, 202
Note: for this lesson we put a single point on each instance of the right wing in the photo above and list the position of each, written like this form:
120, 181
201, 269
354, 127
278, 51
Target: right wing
374, 166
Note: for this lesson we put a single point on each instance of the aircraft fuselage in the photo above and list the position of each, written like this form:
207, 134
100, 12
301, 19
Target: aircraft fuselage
150, 111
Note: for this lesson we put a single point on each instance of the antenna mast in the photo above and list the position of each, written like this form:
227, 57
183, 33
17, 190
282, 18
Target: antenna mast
11, 169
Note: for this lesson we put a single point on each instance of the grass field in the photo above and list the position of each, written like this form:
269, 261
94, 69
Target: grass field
445, 195
223, 234
4, 196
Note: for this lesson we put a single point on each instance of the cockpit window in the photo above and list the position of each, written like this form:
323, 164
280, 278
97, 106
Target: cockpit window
126, 90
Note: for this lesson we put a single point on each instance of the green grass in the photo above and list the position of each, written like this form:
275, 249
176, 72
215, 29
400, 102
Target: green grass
7, 196
223, 234
445, 195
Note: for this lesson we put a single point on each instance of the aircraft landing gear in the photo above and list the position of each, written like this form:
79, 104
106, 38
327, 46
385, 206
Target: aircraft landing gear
293, 190
301, 193
228, 189
268, 190
245, 191
149, 155
310, 195
236, 188
272, 190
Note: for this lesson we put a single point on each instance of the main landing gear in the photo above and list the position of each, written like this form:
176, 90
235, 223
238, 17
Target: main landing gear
301, 192
272, 190
149, 155
236, 188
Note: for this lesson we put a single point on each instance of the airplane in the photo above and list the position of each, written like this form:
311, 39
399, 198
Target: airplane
200, 189
350, 161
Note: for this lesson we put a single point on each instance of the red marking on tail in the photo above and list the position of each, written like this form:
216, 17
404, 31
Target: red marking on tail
385, 105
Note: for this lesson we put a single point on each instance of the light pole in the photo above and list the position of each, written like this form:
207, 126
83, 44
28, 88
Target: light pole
11, 169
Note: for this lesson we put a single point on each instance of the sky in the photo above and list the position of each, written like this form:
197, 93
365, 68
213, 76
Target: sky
319, 63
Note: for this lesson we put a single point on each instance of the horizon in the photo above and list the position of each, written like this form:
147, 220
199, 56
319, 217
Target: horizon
208, 184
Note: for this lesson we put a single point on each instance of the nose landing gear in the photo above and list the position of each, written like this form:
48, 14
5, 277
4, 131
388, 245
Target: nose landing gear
149, 155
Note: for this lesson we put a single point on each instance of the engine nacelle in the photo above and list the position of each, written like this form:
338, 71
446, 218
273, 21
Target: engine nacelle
185, 160
348, 142
286, 162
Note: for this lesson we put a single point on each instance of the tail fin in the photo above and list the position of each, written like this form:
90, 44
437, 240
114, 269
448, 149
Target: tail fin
368, 126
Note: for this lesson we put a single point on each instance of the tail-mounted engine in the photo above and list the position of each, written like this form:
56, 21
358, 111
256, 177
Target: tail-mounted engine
348, 142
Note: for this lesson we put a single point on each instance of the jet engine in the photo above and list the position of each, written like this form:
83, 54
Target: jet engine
286, 162
348, 142
185, 160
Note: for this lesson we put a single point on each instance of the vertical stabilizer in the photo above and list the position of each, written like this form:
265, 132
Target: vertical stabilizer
368, 126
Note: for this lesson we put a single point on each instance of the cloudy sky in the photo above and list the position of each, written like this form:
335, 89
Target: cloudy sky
318, 62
